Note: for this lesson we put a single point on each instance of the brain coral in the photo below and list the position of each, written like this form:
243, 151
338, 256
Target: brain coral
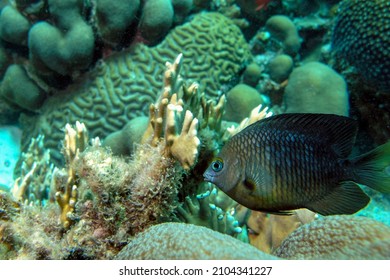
179, 241
361, 36
338, 237
125, 84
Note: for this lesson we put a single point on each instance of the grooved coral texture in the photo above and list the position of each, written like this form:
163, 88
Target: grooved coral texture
338, 237
124, 85
361, 36
179, 241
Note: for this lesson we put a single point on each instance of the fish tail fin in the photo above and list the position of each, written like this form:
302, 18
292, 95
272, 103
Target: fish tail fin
373, 168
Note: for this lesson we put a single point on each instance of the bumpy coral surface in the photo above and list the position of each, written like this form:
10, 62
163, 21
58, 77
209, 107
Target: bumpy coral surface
316, 88
338, 237
177, 241
125, 84
361, 36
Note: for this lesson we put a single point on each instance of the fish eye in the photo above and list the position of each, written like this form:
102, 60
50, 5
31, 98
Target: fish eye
217, 165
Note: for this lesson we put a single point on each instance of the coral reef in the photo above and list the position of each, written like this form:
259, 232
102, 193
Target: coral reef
252, 74
181, 9
285, 31
156, 20
212, 209
258, 13
169, 107
359, 39
303, 8
119, 198
98, 201
122, 86
18, 89
54, 41
122, 142
258, 113
66, 46
267, 231
338, 237
371, 108
113, 18
280, 67
65, 181
14, 26
167, 241
33, 184
360, 36
316, 88
240, 101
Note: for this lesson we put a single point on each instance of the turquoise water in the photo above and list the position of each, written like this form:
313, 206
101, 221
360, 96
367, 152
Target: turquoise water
10, 152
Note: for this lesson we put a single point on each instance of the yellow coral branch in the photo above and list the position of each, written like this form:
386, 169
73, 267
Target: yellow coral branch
67, 201
20, 189
257, 114
166, 115
184, 147
75, 141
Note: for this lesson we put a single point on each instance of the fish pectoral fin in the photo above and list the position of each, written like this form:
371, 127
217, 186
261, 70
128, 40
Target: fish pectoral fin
346, 198
249, 184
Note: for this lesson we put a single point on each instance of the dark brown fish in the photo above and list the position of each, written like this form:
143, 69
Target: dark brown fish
293, 161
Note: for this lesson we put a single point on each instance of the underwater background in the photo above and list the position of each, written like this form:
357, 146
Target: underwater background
111, 111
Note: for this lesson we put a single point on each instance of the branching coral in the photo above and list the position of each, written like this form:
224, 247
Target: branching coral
166, 114
33, 184
75, 142
212, 209
257, 113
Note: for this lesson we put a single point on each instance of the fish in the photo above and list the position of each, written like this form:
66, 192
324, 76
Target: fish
300, 160
261, 4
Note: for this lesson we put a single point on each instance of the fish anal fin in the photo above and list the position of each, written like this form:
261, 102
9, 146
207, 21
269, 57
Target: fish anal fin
281, 212
346, 198
276, 212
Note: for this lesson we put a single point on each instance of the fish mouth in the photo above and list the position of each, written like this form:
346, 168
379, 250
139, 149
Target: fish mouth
208, 177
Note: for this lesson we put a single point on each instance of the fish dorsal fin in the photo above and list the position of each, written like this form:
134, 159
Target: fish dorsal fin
336, 131
346, 198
